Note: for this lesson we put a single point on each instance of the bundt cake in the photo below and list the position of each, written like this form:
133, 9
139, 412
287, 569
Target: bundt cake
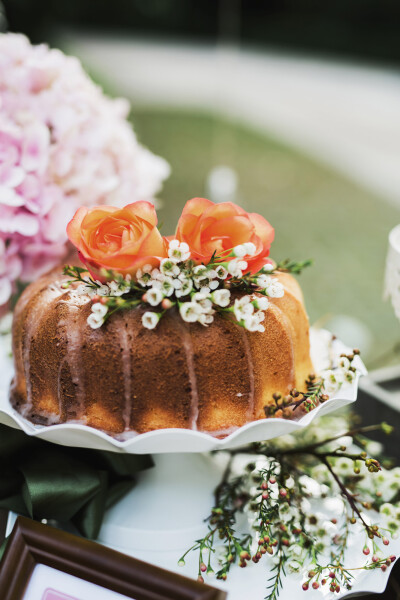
125, 377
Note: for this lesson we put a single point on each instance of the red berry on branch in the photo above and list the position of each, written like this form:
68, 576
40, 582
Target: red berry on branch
305, 586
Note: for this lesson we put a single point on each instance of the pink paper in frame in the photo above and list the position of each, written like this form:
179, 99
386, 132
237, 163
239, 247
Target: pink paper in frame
54, 595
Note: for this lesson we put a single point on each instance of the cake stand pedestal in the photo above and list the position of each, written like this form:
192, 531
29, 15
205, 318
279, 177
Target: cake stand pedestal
167, 507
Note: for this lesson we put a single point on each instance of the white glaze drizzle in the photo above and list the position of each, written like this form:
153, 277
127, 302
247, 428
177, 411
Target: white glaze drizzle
73, 352
126, 370
33, 323
188, 347
247, 350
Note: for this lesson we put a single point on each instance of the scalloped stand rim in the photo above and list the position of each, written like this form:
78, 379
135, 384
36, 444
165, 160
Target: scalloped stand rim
179, 440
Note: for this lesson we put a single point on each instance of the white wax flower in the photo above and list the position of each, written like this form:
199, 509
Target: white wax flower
250, 248
234, 267
239, 251
221, 272
275, 289
169, 267
94, 320
190, 311
205, 319
261, 302
154, 296
187, 287
150, 319
243, 307
99, 309
178, 250
267, 268
221, 297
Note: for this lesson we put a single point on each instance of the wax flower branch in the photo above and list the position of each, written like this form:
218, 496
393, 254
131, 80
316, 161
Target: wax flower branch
198, 291
318, 389
281, 487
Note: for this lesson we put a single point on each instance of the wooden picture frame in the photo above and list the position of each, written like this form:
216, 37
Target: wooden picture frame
32, 543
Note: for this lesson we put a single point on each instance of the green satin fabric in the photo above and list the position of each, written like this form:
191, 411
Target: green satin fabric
72, 485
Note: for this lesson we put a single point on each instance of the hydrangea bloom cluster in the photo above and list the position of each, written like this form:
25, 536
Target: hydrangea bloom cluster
198, 291
63, 144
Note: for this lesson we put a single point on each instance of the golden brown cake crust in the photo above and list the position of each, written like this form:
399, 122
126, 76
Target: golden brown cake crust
123, 377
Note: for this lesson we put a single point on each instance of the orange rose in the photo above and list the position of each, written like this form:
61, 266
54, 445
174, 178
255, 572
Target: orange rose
207, 227
120, 239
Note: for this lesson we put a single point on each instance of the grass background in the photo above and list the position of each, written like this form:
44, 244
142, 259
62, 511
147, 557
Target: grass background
316, 213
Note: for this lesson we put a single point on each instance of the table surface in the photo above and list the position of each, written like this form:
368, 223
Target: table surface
373, 411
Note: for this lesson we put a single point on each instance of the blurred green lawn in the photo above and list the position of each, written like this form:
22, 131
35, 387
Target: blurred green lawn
316, 212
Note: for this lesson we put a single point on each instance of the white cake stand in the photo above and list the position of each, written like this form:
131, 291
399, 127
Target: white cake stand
167, 507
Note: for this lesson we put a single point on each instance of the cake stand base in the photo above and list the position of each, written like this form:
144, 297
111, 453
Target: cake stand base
167, 507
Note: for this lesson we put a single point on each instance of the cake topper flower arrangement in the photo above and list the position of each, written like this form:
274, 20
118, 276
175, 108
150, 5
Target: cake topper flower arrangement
63, 144
217, 261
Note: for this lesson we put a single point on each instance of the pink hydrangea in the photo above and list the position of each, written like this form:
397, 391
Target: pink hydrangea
63, 144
